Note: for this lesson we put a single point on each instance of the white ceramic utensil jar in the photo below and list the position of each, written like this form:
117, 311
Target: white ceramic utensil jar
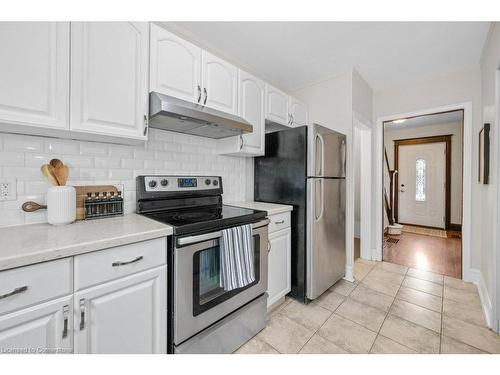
61, 205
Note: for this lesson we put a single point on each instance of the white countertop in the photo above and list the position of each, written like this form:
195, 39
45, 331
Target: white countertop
28, 244
271, 208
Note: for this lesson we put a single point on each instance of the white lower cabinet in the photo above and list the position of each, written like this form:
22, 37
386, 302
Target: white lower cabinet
279, 269
43, 328
127, 315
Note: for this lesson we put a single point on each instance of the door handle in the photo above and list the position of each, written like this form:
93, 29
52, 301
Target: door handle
241, 142
280, 222
321, 203
146, 124
65, 321
82, 314
206, 95
322, 154
269, 246
199, 93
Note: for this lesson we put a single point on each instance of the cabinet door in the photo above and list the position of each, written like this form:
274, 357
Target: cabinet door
175, 66
44, 328
34, 73
220, 83
109, 78
277, 106
298, 113
279, 271
251, 108
127, 315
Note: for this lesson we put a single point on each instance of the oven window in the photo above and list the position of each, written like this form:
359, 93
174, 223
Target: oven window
207, 291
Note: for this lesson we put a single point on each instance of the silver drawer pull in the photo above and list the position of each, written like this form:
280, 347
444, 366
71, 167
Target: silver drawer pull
14, 292
280, 222
117, 264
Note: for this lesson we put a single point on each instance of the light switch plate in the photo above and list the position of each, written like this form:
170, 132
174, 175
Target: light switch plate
8, 189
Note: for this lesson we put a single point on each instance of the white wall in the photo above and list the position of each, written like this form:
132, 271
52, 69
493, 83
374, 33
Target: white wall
357, 180
456, 156
488, 194
457, 87
96, 163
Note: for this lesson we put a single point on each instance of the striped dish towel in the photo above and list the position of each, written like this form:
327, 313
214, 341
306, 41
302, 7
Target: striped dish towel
237, 263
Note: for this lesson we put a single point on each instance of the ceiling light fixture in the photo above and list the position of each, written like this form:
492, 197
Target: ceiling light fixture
400, 121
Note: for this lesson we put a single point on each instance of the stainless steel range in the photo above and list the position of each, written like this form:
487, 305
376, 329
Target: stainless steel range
203, 316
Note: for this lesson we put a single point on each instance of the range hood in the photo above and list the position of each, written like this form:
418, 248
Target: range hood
169, 113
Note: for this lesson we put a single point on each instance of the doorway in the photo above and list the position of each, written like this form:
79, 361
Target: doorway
423, 192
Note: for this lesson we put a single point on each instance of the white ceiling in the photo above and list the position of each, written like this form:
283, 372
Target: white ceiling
294, 54
417, 122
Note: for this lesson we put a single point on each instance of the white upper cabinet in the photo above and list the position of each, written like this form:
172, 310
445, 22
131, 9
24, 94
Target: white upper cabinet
34, 74
251, 108
298, 112
277, 106
219, 83
109, 78
175, 67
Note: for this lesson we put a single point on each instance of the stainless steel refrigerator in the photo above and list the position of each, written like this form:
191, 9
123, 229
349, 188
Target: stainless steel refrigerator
305, 167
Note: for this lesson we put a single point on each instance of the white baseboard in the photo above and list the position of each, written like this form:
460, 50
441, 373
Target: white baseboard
349, 275
477, 278
376, 255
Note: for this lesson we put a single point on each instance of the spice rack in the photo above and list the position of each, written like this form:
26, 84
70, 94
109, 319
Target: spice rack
103, 204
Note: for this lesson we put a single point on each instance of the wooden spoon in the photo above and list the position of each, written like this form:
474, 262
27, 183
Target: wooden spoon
48, 171
32, 206
61, 173
56, 163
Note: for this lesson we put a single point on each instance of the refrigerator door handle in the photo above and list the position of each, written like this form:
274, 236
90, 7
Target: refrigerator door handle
319, 214
321, 151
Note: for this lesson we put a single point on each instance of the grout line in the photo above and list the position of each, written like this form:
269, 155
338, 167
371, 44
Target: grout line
387, 314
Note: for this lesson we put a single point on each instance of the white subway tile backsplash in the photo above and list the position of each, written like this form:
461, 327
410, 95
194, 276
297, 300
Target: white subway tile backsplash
101, 163
11, 158
16, 142
93, 148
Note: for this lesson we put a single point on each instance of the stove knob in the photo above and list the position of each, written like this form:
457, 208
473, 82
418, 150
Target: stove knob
164, 182
207, 182
216, 182
152, 184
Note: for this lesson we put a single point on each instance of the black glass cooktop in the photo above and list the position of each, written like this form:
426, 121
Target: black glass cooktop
208, 218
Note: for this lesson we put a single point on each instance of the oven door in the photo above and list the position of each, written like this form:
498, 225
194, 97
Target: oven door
199, 301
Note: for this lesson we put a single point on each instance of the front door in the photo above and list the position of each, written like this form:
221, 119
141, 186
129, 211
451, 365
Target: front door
422, 178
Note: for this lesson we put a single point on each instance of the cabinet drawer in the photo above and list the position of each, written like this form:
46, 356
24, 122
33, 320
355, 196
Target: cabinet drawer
279, 221
25, 286
100, 266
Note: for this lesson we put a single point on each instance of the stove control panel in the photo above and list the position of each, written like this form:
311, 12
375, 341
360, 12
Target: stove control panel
181, 183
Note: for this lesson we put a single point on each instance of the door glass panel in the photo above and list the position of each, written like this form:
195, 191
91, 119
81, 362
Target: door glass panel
207, 289
420, 180
210, 276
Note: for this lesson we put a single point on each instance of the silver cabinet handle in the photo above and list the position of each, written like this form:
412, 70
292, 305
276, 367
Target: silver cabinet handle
289, 118
21, 289
65, 321
291, 122
269, 246
206, 95
146, 124
241, 142
82, 314
280, 222
117, 264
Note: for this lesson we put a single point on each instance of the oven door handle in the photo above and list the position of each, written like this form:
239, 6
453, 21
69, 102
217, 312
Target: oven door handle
212, 235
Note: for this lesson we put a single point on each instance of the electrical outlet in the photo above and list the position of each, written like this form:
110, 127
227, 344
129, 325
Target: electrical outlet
8, 189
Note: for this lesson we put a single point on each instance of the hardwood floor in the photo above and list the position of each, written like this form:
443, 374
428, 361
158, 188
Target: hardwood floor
429, 253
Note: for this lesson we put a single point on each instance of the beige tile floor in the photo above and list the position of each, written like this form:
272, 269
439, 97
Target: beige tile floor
389, 309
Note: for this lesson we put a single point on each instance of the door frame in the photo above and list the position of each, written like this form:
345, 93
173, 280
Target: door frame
467, 275
419, 141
